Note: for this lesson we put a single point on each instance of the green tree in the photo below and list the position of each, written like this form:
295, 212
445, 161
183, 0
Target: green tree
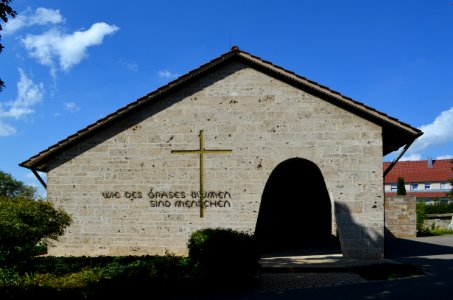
12, 188
5, 12
421, 216
400, 188
25, 221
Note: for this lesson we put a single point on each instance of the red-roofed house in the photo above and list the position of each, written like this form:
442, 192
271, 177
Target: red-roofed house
428, 180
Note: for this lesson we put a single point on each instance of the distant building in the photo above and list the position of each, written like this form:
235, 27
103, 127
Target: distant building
428, 180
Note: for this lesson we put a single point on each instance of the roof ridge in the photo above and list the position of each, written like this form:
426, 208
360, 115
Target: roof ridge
410, 132
326, 90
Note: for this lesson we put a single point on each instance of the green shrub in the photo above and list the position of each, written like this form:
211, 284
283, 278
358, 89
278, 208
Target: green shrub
439, 208
223, 254
9, 276
421, 216
96, 277
24, 223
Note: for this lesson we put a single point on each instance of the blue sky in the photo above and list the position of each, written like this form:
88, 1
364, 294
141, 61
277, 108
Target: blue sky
67, 64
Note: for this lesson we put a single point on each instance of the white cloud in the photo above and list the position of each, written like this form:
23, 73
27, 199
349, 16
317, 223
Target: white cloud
439, 132
131, 66
71, 107
167, 74
31, 176
41, 16
69, 49
29, 94
445, 157
6, 130
414, 156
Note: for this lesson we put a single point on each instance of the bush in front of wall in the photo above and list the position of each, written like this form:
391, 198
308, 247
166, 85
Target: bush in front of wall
439, 208
421, 216
224, 255
105, 277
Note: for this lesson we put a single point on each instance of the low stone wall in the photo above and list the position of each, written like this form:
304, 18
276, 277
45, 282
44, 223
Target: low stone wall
438, 221
400, 216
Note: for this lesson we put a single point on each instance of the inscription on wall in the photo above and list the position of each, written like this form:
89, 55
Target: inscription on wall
183, 199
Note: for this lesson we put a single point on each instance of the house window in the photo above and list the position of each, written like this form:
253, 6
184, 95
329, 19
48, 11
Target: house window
393, 187
414, 186
427, 186
444, 186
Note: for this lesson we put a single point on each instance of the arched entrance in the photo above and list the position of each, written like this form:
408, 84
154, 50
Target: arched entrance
295, 211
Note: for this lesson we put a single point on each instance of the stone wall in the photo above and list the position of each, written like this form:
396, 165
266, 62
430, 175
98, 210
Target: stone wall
129, 194
401, 216
443, 221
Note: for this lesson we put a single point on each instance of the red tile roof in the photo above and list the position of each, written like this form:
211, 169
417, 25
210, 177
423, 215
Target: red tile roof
421, 194
418, 171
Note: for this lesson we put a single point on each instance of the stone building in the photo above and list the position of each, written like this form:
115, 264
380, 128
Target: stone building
271, 152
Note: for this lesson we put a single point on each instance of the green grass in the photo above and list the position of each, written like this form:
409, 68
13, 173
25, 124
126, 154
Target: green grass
435, 232
441, 231
387, 271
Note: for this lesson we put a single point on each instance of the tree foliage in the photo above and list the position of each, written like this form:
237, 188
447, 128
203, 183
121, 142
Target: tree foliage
12, 188
401, 189
5, 12
24, 223
421, 216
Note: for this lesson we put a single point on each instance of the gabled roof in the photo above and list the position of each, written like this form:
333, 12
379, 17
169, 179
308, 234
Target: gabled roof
419, 171
395, 132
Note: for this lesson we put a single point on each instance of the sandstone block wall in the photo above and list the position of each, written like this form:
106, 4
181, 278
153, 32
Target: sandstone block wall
401, 216
129, 194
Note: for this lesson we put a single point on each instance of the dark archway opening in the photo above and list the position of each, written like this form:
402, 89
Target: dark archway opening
295, 213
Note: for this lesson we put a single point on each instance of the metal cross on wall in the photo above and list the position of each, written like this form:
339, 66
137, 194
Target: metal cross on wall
201, 152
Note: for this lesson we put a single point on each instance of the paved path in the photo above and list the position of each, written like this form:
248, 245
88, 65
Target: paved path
433, 254
279, 273
275, 282
333, 281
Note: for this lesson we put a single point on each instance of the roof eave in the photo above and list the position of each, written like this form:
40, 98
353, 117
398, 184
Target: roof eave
407, 133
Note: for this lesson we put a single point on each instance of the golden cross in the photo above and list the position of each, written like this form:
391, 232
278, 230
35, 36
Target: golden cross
201, 151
